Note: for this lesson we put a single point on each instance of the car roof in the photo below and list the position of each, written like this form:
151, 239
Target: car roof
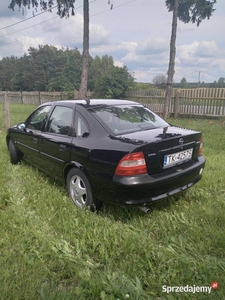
94, 102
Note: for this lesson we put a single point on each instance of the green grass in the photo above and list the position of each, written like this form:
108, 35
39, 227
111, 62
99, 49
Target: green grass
51, 250
19, 112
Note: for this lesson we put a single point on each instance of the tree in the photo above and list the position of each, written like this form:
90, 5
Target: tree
100, 68
187, 11
67, 71
183, 83
221, 82
84, 76
171, 69
47, 68
159, 81
65, 9
109, 81
7, 70
24, 77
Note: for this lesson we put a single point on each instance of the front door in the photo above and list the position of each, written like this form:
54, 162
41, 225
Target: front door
28, 138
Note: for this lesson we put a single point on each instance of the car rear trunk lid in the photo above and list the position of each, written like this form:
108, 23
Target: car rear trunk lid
166, 149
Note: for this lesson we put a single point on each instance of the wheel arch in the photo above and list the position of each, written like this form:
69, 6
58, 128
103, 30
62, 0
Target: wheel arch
95, 203
8, 138
71, 165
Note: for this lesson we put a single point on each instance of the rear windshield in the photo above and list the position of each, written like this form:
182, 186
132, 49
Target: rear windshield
127, 118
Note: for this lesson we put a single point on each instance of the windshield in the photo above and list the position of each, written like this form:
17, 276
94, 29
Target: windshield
128, 118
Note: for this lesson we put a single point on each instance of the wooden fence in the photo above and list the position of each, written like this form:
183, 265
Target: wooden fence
37, 97
32, 97
207, 102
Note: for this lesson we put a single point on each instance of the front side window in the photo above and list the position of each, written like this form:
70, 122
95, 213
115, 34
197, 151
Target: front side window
60, 120
38, 119
128, 118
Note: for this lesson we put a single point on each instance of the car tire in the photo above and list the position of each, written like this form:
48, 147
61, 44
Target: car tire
13, 153
79, 190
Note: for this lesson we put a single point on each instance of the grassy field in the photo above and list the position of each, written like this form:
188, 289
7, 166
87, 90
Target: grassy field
51, 250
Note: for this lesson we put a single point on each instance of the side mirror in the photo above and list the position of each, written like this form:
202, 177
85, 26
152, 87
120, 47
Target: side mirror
21, 126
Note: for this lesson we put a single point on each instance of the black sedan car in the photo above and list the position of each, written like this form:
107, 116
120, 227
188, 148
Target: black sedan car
108, 150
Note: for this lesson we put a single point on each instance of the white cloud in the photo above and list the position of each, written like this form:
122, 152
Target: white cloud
153, 52
153, 46
98, 35
135, 34
103, 49
67, 32
128, 46
219, 63
207, 49
28, 42
118, 64
198, 53
5, 12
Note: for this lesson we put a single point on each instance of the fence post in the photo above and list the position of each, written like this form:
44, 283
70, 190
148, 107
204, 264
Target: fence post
6, 111
39, 97
76, 94
176, 104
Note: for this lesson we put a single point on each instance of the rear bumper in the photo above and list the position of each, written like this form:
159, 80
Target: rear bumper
143, 189
146, 200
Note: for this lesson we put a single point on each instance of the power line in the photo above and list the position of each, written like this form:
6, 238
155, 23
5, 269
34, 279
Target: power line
114, 7
48, 10
27, 18
28, 27
34, 24
104, 11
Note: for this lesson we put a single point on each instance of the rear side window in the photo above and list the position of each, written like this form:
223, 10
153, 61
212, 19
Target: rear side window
128, 118
81, 126
60, 120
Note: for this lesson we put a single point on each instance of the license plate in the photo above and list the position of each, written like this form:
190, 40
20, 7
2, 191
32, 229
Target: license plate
173, 159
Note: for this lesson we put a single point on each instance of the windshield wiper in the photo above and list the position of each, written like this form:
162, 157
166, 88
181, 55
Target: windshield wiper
146, 126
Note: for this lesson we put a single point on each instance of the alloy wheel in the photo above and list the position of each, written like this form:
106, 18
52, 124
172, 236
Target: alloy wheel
78, 191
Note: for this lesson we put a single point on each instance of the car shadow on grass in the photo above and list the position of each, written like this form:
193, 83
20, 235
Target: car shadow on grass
120, 212
126, 213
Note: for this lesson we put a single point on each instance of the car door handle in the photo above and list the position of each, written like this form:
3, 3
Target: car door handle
29, 131
62, 147
35, 140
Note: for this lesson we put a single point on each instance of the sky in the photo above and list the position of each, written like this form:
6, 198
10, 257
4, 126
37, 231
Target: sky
136, 33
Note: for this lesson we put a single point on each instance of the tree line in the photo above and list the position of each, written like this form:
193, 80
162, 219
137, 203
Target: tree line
159, 81
215, 84
48, 68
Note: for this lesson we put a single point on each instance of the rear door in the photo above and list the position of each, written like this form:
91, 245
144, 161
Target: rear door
55, 143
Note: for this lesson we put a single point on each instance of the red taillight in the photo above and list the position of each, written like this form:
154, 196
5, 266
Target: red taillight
200, 147
132, 164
